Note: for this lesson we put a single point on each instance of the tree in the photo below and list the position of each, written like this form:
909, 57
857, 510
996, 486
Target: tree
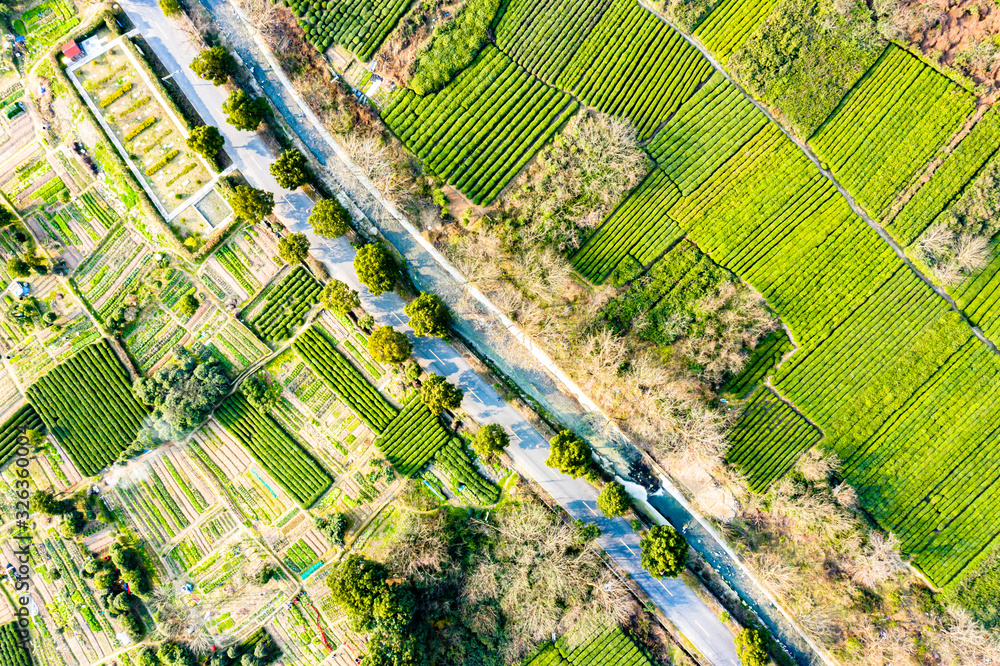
329, 219
293, 248
338, 297
333, 528
387, 345
490, 441
170, 8
45, 502
439, 394
214, 64
569, 454
356, 585
614, 500
250, 204
182, 395
243, 111
750, 648
291, 169
18, 267
188, 305
428, 315
147, 657
207, 141
664, 552
104, 578
375, 268
264, 574
133, 626
259, 394
6, 217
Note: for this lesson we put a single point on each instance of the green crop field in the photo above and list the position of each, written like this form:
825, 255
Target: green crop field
768, 438
412, 438
948, 180
709, 127
609, 648
285, 305
11, 652
338, 373
24, 418
483, 127
87, 403
889, 126
455, 461
634, 65
358, 25
730, 23
544, 36
281, 456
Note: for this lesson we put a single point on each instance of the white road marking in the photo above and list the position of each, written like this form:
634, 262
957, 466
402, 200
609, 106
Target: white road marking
593, 512
253, 159
702, 628
402, 323
665, 587
626, 547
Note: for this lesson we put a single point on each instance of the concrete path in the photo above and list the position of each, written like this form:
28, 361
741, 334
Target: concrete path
529, 449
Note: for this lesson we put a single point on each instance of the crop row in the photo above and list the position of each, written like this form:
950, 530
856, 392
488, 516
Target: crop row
543, 36
25, 418
87, 403
768, 438
286, 305
730, 23
889, 126
705, 132
483, 127
453, 459
280, 455
101, 211
412, 438
227, 256
338, 373
948, 180
193, 495
639, 225
635, 65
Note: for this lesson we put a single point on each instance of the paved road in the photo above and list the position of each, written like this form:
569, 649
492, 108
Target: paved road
529, 450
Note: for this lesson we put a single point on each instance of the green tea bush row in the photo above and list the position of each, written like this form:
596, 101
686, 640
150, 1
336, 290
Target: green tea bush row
281, 456
348, 383
412, 438
286, 305
730, 23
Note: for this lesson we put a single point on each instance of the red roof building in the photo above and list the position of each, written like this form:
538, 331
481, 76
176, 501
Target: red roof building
71, 50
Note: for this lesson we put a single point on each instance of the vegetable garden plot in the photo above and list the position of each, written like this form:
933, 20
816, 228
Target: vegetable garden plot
483, 127
283, 458
412, 438
358, 25
286, 305
639, 225
27, 418
888, 127
338, 373
543, 36
635, 65
762, 362
730, 23
948, 180
11, 652
768, 438
456, 462
705, 132
87, 403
